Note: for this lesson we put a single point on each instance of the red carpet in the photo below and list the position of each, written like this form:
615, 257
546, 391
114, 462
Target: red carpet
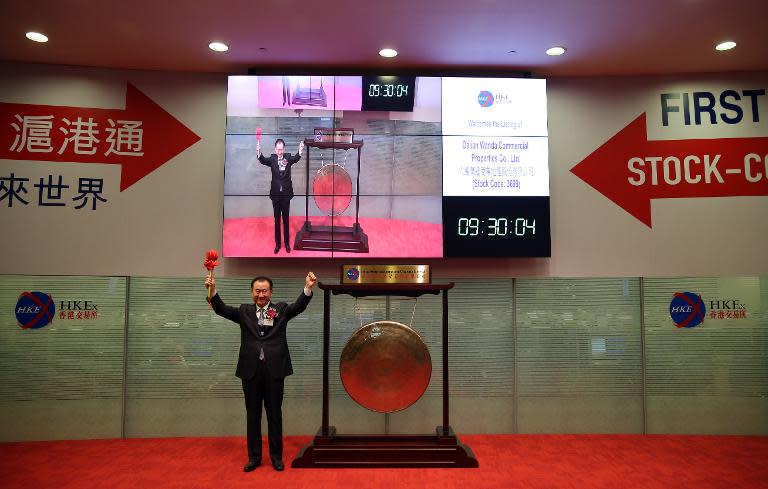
255, 237
506, 461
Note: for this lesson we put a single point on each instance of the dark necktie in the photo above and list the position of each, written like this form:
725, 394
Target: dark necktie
261, 332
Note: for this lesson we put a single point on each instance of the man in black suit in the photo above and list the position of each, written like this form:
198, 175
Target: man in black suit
264, 360
281, 188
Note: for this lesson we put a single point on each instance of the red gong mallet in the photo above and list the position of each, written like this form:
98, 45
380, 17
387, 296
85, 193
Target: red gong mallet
211, 261
258, 141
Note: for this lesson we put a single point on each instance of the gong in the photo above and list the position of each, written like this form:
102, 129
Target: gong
332, 189
385, 366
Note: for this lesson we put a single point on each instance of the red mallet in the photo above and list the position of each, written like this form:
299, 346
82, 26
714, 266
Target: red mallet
258, 141
211, 261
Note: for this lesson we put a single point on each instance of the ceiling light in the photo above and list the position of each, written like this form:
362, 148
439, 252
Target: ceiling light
387, 53
37, 37
555, 51
218, 46
725, 46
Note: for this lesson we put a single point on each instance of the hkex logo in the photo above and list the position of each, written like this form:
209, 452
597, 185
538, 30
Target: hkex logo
687, 309
485, 98
353, 274
35, 310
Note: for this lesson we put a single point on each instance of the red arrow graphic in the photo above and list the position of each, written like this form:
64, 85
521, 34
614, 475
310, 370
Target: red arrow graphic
684, 168
42, 133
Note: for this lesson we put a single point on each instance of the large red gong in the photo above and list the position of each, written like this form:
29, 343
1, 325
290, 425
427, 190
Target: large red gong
385, 366
332, 189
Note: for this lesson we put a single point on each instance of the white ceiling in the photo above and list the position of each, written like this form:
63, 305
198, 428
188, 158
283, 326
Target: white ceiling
603, 37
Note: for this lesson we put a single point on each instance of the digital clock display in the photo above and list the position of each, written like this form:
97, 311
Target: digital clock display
388, 93
496, 226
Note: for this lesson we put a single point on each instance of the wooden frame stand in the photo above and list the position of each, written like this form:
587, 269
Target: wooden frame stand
333, 238
330, 449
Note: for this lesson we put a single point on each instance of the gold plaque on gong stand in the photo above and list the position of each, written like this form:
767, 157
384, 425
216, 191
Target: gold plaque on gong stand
385, 274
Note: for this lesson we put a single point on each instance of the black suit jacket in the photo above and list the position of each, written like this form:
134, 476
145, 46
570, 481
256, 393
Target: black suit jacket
274, 341
281, 185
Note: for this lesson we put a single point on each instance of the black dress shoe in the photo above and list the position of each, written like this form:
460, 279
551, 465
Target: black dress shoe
277, 248
252, 464
287, 248
278, 465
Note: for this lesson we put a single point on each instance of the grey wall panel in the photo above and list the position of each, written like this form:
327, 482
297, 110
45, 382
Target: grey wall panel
711, 378
581, 414
579, 364
66, 419
65, 379
707, 415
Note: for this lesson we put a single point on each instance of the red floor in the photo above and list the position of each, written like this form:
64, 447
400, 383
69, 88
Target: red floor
506, 461
255, 237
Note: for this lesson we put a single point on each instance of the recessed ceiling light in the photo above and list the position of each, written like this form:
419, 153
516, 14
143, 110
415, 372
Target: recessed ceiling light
387, 53
725, 46
37, 37
218, 46
555, 51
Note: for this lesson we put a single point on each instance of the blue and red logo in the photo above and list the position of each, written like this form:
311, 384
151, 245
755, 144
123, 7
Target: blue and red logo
485, 98
35, 310
353, 273
687, 309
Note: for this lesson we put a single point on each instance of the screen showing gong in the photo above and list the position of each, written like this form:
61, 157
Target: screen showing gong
377, 166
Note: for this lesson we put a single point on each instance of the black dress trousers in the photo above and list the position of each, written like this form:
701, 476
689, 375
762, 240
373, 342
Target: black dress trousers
263, 388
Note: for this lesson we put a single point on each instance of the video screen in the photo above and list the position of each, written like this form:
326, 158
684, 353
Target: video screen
385, 167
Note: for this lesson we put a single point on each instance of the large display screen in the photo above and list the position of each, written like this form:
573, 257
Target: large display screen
386, 167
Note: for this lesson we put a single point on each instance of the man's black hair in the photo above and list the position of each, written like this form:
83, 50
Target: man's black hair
262, 279
279, 140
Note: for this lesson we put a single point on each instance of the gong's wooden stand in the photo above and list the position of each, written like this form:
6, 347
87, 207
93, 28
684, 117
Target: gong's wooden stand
333, 238
330, 449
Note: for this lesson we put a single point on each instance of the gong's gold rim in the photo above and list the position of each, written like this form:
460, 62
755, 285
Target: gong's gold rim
385, 366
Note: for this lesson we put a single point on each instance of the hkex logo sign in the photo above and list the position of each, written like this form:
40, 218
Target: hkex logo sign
485, 98
353, 274
35, 310
687, 309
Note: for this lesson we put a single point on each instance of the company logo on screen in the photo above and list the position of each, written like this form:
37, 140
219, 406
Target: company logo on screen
687, 309
485, 98
35, 310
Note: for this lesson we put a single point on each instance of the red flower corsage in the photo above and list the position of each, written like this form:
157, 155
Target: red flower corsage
271, 313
